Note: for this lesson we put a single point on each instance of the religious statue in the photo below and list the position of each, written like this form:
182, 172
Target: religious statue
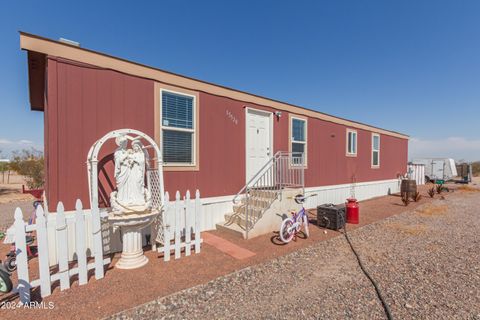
131, 195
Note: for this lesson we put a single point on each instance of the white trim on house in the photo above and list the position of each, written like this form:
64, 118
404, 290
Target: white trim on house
291, 141
351, 153
375, 166
194, 130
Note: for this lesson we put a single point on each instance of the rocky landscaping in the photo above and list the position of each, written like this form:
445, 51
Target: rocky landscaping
426, 262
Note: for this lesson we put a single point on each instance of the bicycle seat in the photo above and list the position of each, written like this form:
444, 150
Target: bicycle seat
299, 198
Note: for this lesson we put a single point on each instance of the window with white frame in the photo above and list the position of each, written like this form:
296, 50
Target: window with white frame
178, 128
298, 140
375, 150
351, 142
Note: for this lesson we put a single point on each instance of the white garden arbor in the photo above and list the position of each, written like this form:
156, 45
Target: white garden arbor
154, 170
131, 224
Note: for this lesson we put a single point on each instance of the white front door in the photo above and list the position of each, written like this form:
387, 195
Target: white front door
258, 144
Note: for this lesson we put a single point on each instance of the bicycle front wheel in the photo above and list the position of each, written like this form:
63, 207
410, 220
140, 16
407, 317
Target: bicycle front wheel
286, 230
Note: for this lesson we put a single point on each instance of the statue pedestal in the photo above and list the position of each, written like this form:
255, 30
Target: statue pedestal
131, 226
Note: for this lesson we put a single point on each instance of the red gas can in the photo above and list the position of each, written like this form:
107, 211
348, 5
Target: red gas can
353, 210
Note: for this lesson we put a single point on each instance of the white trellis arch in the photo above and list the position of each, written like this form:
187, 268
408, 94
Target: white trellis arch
154, 173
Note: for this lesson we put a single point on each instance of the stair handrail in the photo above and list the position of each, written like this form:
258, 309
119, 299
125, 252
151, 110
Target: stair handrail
256, 181
257, 175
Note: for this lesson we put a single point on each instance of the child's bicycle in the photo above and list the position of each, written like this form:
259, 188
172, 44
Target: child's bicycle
10, 263
291, 226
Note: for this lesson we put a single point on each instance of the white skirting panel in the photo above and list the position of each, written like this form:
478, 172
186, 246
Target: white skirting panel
214, 210
339, 193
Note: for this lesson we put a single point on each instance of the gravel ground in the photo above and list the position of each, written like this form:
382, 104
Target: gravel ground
426, 263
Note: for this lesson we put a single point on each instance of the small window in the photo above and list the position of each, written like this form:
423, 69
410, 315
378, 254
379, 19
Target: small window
178, 128
375, 150
351, 142
298, 140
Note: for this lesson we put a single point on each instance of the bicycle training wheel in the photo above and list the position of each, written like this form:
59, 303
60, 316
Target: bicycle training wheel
305, 224
10, 264
285, 235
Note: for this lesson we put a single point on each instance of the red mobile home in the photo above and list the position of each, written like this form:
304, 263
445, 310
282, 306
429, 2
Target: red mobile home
213, 138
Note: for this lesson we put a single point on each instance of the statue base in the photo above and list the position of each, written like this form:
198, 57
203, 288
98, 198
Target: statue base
130, 226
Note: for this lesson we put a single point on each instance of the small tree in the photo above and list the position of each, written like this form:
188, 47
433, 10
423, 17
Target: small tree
4, 167
30, 164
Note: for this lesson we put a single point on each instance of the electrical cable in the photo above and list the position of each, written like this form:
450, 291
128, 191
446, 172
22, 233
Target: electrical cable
386, 308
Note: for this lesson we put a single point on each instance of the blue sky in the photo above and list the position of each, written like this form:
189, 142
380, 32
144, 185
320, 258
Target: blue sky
409, 66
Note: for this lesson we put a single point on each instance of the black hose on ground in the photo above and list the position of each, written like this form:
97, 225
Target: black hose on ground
388, 313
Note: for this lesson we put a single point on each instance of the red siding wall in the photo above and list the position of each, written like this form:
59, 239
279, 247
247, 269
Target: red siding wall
85, 103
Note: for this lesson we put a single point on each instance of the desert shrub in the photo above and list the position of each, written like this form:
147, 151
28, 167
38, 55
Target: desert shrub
439, 188
431, 192
30, 164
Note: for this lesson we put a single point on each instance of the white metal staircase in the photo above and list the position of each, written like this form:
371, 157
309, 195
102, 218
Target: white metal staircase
283, 170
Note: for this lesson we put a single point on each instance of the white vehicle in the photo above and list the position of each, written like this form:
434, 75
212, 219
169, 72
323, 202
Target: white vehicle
438, 168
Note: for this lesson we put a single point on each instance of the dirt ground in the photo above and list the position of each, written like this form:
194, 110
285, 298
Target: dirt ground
123, 289
11, 197
13, 193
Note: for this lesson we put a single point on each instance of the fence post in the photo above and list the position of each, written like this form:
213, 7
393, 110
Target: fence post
166, 228
43, 263
198, 207
22, 259
178, 212
80, 243
188, 218
97, 242
62, 247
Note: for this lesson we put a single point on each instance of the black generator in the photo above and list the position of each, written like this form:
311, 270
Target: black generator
331, 216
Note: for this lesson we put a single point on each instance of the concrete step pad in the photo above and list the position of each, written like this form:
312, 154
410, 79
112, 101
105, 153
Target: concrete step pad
240, 220
227, 247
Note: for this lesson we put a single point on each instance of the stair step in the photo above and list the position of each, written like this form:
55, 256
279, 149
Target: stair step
258, 201
256, 213
269, 194
253, 203
240, 219
252, 211
233, 229
256, 197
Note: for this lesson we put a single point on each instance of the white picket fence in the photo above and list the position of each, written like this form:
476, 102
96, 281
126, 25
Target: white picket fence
182, 226
65, 269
